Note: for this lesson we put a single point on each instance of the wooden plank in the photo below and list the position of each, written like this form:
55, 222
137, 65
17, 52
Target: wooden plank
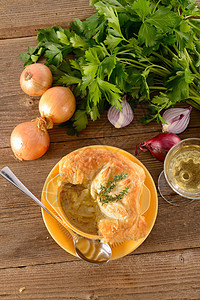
11, 66
165, 266
24, 235
27, 110
22, 18
167, 275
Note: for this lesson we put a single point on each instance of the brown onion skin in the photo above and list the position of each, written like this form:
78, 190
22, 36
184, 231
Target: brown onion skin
57, 103
29, 142
36, 79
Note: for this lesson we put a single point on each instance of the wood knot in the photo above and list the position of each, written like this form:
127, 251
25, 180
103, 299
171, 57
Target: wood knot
28, 102
92, 297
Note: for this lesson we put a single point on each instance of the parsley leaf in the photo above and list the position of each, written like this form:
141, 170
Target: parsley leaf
24, 56
47, 35
77, 26
94, 27
119, 76
112, 41
179, 87
62, 37
53, 54
164, 19
147, 35
94, 113
68, 80
111, 92
80, 120
94, 92
142, 8
107, 66
112, 17
78, 42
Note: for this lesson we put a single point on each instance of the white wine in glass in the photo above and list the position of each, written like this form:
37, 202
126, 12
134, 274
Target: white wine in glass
179, 183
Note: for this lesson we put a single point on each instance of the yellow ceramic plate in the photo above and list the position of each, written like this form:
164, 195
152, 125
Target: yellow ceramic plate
64, 239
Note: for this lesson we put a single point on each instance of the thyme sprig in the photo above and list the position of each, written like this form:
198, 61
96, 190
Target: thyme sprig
105, 190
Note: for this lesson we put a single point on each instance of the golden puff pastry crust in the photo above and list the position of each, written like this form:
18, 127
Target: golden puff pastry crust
118, 221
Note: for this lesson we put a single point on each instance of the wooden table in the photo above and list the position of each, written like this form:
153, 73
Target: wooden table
32, 265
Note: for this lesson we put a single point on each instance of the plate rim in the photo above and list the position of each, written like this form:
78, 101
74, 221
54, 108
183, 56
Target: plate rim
127, 245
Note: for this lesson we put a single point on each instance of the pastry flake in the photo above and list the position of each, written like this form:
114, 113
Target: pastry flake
83, 173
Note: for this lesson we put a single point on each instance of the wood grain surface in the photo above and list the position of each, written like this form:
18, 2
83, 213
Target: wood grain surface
32, 265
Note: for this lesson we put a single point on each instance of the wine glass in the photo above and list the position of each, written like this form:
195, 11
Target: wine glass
179, 182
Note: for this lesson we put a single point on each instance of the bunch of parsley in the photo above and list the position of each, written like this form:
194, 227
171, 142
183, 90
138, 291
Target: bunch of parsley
139, 48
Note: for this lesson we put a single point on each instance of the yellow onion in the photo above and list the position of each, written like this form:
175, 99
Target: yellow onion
30, 140
57, 103
36, 79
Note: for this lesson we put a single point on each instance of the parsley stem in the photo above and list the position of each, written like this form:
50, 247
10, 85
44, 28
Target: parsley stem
152, 67
176, 48
151, 88
160, 67
191, 64
155, 7
196, 98
165, 60
132, 60
193, 92
132, 65
162, 73
191, 24
157, 88
159, 72
170, 51
195, 102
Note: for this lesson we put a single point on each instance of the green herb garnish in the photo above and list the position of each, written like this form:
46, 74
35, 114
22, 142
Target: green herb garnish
105, 190
148, 50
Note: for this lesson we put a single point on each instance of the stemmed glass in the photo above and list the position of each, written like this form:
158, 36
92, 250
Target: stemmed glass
179, 182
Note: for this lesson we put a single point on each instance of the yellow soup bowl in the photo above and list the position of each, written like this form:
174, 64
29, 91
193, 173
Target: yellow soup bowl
148, 204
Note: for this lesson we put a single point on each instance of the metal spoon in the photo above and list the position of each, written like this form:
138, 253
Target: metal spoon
90, 250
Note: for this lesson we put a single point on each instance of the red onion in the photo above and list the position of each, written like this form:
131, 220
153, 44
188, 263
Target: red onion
177, 119
159, 145
121, 119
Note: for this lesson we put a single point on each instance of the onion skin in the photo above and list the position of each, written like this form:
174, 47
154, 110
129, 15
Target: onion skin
57, 103
29, 140
177, 119
159, 145
121, 119
36, 79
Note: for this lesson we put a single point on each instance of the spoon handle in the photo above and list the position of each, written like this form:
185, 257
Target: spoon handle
8, 175
78, 241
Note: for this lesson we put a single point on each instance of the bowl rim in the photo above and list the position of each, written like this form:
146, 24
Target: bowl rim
60, 211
